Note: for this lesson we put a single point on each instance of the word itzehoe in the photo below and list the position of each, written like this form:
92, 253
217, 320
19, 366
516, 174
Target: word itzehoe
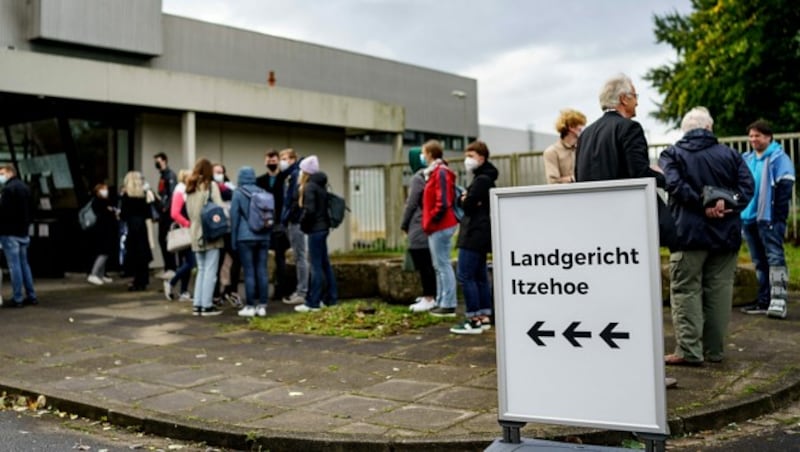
552, 287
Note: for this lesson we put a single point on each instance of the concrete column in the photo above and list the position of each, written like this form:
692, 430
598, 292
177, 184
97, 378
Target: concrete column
397, 145
188, 139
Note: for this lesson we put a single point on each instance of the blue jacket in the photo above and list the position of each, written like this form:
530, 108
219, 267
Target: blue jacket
774, 176
291, 211
695, 161
240, 204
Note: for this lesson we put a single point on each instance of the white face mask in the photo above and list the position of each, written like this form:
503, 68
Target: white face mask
103, 193
219, 178
3, 179
471, 164
284, 165
422, 159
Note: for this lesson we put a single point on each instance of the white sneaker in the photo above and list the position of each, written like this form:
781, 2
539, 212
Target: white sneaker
304, 308
106, 279
423, 306
92, 279
168, 290
167, 274
261, 311
777, 308
186, 296
294, 299
247, 311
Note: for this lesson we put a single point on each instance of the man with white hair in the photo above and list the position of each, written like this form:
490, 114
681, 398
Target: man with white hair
614, 146
708, 185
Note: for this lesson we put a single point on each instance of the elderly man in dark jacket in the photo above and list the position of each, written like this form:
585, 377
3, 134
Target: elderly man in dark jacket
703, 261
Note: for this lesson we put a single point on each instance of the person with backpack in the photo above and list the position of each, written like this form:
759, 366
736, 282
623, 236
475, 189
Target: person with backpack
475, 241
201, 191
439, 223
252, 216
103, 233
316, 224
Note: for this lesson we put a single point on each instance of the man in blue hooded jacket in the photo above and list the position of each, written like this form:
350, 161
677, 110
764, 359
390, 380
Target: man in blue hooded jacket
764, 219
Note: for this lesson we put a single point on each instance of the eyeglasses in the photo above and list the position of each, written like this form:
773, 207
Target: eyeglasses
635, 95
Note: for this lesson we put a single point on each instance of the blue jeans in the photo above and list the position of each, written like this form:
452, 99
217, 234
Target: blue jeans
765, 242
440, 244
207, 262
298, 241
16, 251
321, 271
253, 255
184, 272
474, 279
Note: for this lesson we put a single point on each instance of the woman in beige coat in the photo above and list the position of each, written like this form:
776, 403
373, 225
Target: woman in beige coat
206, 253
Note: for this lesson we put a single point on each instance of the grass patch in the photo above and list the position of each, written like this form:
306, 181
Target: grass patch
349, 319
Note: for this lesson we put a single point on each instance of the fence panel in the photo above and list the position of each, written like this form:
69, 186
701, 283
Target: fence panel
378, 192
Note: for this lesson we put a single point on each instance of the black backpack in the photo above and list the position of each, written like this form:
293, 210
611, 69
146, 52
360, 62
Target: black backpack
337, 207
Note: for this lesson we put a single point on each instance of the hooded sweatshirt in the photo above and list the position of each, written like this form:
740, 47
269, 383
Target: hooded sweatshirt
411, 221
240, 206
774, 176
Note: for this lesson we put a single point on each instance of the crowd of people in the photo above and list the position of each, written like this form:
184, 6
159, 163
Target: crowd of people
716, 196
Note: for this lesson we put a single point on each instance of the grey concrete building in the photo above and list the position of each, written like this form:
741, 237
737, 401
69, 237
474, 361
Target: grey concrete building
90, 89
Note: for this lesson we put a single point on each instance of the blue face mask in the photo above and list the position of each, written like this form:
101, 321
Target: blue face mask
3, 179
422, 159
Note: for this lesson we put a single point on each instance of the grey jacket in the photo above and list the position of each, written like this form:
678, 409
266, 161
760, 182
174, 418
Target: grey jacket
412, 215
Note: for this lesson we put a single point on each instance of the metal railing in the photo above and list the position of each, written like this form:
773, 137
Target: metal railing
377, 193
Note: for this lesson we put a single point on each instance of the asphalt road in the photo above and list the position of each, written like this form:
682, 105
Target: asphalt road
47, 432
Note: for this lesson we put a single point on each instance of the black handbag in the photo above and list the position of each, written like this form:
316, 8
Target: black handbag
667, 231
712, 194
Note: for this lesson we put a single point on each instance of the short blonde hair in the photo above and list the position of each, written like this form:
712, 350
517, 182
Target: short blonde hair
569, 118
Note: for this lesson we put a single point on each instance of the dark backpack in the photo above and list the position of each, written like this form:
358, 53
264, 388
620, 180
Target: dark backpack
458, 209
213, 219
261, 213
337, 207
86, 216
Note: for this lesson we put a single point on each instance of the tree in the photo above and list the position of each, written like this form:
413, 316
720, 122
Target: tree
738, 58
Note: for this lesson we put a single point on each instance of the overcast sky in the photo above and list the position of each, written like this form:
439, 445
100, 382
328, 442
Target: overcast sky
531, 57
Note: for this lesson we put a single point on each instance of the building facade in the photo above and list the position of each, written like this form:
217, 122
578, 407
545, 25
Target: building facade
90, 89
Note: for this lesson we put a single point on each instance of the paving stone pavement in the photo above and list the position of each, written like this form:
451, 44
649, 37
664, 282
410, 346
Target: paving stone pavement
139, 360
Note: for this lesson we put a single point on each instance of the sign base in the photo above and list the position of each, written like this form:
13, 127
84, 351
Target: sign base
540, 445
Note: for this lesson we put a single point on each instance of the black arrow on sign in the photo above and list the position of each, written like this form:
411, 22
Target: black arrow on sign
571, 334
608, 335
535, 333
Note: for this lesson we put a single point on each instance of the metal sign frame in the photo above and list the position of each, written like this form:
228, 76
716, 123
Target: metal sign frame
519, 216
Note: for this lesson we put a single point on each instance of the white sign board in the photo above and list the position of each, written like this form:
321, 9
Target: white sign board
577, 286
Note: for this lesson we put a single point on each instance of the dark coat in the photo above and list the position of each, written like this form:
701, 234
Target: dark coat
166, 185
135, 212
16, 208
315, 204
475, 232
613, 147
291, 212
695, 161
105, 232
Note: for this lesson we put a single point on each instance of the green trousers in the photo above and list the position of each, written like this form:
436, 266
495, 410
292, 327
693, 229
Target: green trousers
701, 294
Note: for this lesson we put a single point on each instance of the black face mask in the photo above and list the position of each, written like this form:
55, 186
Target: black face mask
158, 166
272, 166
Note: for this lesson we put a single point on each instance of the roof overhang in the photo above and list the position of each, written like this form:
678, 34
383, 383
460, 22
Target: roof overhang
74, 78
